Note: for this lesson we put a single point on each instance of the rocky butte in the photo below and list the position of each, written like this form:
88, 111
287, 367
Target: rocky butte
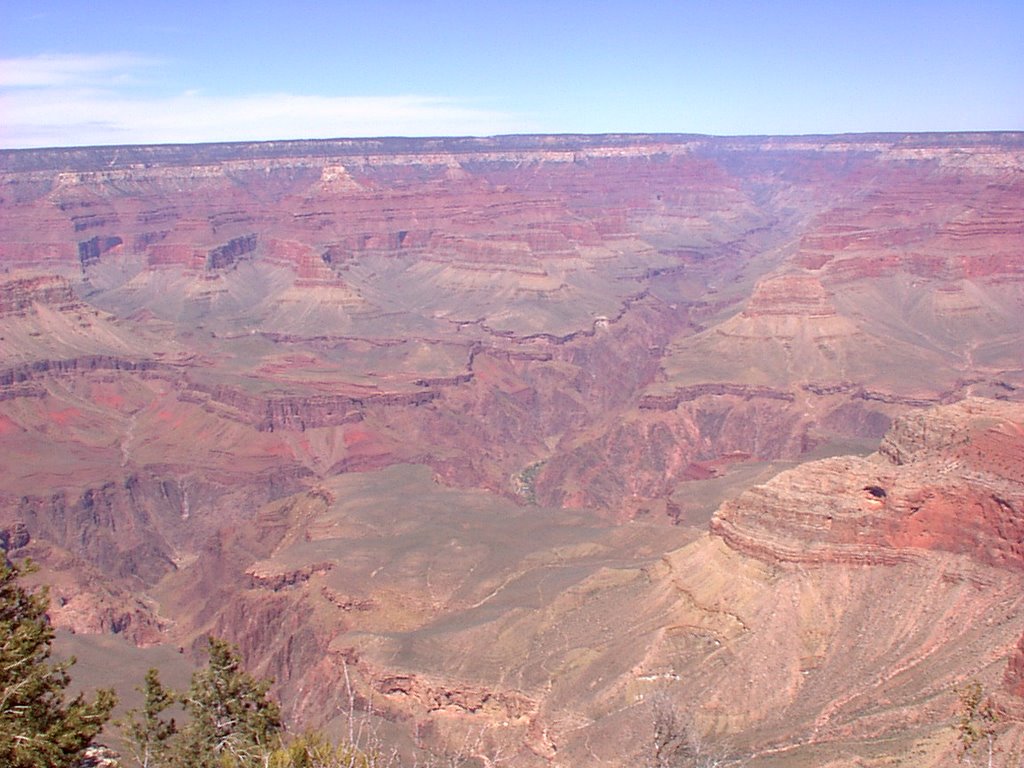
497, 440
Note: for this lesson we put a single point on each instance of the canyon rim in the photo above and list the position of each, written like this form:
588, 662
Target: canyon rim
499, 439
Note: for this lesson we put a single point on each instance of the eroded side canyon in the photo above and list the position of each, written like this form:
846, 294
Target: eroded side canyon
452, 417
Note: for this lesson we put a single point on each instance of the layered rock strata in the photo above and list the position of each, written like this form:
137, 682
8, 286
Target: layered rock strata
951, 479
378, 408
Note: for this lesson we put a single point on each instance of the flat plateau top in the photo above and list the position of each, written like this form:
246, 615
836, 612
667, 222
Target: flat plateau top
107, 157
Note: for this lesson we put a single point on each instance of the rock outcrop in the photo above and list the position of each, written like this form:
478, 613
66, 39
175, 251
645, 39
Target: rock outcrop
19, 295
449, 417
949, 479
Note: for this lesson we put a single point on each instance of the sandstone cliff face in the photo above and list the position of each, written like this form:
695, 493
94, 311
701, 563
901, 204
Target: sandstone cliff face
383, 408
893, 577
814, 620
949, 479
18, 296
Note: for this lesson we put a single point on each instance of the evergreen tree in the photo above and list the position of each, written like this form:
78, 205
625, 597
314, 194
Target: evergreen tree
232, 721
149, 736
38, 728
313, 750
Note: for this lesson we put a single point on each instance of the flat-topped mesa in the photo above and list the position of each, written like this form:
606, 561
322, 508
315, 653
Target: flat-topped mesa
799, 295
958, 488
987, 149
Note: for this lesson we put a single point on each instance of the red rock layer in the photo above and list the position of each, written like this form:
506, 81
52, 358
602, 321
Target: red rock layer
800, 295
949, 479
18, 295
205, 340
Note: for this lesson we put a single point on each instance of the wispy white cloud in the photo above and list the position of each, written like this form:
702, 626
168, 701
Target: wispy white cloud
64, 70
85, 100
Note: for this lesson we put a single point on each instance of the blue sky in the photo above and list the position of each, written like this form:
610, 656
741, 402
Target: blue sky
104, 72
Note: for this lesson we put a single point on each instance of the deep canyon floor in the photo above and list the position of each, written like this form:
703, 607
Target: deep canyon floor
498, 440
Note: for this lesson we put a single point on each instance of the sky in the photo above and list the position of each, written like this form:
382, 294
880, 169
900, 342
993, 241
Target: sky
86, 72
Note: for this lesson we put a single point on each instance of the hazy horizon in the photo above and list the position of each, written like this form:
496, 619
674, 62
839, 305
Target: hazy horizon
116, 73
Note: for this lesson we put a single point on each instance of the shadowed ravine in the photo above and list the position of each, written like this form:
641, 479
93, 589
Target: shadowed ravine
450, 418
